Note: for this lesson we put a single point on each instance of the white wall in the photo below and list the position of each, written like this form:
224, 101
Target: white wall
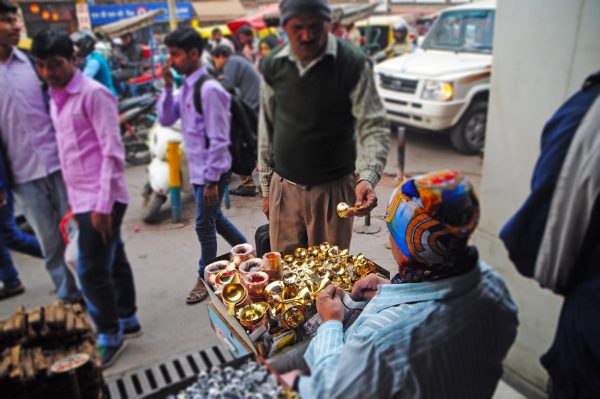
543, 50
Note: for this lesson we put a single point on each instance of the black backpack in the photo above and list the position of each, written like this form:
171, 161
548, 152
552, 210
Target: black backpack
243, 131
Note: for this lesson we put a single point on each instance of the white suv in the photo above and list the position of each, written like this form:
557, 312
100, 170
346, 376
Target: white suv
444, 85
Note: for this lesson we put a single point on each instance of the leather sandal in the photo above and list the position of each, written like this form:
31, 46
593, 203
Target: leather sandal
7, 292
197, 294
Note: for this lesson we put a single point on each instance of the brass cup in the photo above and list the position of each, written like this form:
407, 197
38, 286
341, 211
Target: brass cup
288, 258
342, 209
253, 315
333, 252
249, 266
290, 281
234, 294
211, 271
256, 283
292, 315
313, 251
272, 265
324, 247
300, 253
274, 288
241, 253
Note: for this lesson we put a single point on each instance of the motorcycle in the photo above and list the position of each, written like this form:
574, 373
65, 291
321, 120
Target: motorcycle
156, 190
136, 117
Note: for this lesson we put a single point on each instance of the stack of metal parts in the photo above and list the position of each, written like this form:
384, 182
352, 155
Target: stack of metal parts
32, 342
251, 381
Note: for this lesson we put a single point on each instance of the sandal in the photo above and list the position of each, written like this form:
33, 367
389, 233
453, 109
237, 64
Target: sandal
7, 292
197, 294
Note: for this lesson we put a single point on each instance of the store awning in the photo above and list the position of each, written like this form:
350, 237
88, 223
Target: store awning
129, 25
218, 10
255, 20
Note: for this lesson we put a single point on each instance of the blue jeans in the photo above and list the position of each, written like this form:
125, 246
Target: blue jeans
13, 238
44, 203
106, 277
210, 221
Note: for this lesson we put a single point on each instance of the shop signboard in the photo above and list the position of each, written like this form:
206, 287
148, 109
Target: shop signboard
83, 16
104, 14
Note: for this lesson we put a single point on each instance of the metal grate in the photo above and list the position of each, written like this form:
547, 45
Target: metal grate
398, 84
146, 380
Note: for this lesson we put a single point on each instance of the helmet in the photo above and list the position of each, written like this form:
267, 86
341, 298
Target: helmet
85, 42
400, 27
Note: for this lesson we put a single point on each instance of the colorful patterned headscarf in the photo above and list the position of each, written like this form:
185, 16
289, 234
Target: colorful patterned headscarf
430, 218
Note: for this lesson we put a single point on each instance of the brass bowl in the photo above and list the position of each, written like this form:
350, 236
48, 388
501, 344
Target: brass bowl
226, 277
253, 314
324, 247
288, 258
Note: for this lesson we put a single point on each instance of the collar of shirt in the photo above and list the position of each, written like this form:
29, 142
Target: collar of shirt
74, 86
191, 80
330, 49
396, 294
17, 55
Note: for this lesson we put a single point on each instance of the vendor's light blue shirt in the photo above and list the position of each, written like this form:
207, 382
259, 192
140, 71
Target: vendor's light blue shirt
443, 339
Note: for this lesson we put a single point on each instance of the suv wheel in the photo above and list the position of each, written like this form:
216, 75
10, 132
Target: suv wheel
468, 136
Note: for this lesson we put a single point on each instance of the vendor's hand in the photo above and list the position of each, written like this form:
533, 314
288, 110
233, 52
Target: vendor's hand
3, 198
366, 288
210, 195
266, 207
366, 199
290, 377
329, 304
167, 75
102, 223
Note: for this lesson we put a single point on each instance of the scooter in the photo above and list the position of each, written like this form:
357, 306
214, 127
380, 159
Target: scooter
156, 190
136, 117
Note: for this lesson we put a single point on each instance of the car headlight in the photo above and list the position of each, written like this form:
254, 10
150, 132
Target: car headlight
438, 91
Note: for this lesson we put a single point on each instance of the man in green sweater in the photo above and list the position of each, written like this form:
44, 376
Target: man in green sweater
318, 99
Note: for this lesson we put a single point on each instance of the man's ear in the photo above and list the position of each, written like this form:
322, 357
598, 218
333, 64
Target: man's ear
74, 60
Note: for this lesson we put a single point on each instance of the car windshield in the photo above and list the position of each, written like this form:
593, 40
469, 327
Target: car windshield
464, 31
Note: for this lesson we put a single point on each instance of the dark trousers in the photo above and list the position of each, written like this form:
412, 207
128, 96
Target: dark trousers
13, 238
105, 276
210, 220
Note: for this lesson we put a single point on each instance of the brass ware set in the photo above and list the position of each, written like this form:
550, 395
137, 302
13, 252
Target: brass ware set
283, 289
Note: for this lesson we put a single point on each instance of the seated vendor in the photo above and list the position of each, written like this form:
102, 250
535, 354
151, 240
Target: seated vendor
440, 328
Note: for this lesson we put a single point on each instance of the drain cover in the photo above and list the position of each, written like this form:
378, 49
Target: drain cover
143, 381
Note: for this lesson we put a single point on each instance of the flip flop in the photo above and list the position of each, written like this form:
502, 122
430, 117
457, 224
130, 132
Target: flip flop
197, 294
7, 292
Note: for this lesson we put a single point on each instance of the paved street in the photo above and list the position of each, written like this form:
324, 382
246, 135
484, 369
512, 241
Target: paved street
164, 258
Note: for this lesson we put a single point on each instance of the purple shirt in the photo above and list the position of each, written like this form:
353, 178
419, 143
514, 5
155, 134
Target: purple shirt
25, 125
86, 118
205, 164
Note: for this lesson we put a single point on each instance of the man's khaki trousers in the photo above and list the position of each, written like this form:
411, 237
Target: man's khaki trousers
301, 216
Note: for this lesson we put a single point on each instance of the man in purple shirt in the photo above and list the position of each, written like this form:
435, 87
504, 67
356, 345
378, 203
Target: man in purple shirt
27, 137
86, 119
206, 138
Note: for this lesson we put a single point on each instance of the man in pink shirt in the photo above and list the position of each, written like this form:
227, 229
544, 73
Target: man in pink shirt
91, 153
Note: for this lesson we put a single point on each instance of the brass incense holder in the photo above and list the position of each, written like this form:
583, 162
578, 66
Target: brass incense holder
233, 294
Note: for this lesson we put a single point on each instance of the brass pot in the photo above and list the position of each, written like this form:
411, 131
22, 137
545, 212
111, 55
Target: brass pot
241, 253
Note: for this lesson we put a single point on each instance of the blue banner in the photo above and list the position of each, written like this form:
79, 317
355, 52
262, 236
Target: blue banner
100, 15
